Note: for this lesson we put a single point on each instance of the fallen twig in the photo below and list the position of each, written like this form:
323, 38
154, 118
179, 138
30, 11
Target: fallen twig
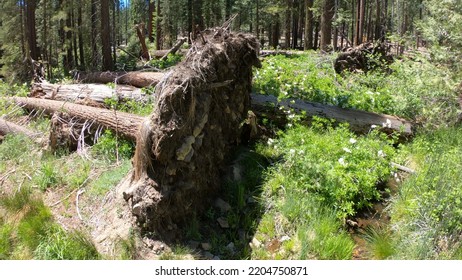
81, 191
403, 168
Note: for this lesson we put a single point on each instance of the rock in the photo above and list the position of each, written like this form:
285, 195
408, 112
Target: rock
223, 222
208, 255
255, 243
222, 205
206, 246
231, 248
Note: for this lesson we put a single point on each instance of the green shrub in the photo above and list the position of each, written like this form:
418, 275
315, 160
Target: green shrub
339, 168
111, 147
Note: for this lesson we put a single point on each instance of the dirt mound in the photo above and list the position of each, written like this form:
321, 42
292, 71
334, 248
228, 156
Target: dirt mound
199, 111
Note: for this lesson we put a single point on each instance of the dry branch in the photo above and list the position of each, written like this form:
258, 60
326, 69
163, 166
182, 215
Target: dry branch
123, 123
175, 48
136, 78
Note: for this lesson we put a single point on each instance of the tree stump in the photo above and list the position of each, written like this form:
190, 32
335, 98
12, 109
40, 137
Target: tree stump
182, 146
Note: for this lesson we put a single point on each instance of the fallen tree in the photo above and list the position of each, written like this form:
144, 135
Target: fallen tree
181, 148
135, 78
123, 124
88, 94
7, 127
360, 121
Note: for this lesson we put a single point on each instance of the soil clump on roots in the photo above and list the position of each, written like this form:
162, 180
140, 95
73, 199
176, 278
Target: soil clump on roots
182, 147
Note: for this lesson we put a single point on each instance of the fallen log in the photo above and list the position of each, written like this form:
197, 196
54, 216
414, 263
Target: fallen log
123, 124
7, 127
135, 78
159, 54
93, 95
359, 121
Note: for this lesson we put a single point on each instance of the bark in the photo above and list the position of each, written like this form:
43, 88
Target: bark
151, 10
159, 41
175, 48
124, 124
326, 24
88, 94
137, 79
360, 121
144, 49
106, 36
31, 32
94, 33
308, 43
7, 127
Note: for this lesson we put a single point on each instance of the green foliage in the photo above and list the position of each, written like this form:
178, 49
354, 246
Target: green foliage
380, 242
113, 148
172, 59
110, 178
340, 169
427, 212
9, 147
48, 176
61, 245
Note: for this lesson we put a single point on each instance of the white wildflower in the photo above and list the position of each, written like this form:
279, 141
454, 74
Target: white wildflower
342, 161
373, 126
292, 151
352, 140
347, 150
380, 153
387, 124
270, 141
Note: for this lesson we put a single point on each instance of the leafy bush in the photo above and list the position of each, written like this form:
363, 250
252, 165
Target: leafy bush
111, 148
339, 168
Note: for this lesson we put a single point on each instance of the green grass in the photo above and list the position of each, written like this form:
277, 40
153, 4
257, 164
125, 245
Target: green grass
427, 212
109, 179
379, 242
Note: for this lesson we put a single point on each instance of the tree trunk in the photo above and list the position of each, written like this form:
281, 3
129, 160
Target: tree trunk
359, 121
175, 48
124, 124
81, 48
295, 16
326, 23
137, 79
287, 24
106, 36
151, 11
93, 95
94, 34
362, 9
144, 49
308, 42
7, 127
31, 33
159, 42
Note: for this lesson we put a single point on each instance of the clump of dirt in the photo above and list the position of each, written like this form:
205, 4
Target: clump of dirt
182, 146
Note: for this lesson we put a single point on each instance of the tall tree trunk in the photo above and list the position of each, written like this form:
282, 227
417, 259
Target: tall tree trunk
361, 20
275, 31
22, 27
151, 11
74, 36
316, 34
80, 27
31, 32
308, 25
94, 34
113, 33
257, 19
287, 23
295, 16
326, 23
378, 20
106, 36
159, 42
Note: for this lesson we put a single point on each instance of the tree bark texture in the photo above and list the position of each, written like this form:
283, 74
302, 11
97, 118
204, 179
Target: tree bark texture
7, 127
137, 79
326, 23
106, 36
124, 124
